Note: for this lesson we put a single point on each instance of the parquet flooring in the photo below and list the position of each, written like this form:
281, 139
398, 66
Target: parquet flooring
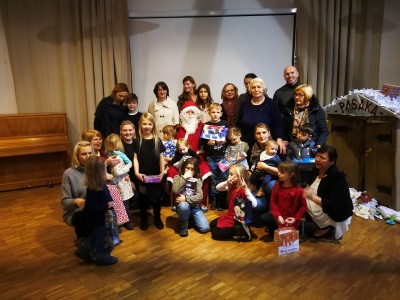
37, 260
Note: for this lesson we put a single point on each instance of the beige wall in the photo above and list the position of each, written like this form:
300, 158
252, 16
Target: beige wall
389, 69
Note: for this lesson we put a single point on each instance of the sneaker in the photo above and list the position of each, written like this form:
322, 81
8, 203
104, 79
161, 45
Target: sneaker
128, 225
204, 209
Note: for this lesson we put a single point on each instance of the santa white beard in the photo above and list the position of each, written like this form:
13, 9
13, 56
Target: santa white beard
190, 123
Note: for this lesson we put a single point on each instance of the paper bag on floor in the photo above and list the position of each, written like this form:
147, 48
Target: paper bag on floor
286, 240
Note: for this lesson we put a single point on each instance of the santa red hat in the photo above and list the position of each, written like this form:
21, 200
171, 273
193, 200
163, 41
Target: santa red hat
190, 105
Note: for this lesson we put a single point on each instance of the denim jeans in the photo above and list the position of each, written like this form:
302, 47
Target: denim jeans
263, 202
216, 174
185, 212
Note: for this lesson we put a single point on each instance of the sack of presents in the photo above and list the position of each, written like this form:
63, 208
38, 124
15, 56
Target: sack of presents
286, 240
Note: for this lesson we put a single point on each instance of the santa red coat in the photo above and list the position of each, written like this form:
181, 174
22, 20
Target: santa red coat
194, 141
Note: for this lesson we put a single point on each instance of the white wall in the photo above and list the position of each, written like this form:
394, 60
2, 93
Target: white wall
212, 50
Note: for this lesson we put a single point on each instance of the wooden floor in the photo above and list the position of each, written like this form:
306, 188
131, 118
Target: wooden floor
37, 260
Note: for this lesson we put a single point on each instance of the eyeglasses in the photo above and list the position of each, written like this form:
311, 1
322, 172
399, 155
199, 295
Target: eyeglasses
298, 95
231, 90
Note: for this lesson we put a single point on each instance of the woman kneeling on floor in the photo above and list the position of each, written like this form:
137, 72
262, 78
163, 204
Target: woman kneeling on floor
327, 194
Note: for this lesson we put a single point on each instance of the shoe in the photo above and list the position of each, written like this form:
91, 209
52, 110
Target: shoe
322, 233
128, 225
174, 208
213, 205
243, 232
158, 223
183, 230
270, 233
79, 241
84, 254
119, 228
144, 226
204, 209
247, 234
112, 260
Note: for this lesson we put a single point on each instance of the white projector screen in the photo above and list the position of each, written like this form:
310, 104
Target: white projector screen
213, 50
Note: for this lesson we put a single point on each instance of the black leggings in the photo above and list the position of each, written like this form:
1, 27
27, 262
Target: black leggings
81, 227
221, 233
153, 198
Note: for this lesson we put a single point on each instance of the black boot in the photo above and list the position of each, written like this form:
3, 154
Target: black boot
157, 215
144, 224
84, 254
158, 223
183, 229
213, 203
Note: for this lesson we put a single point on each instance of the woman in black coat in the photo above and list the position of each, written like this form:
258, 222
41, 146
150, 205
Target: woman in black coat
328, 197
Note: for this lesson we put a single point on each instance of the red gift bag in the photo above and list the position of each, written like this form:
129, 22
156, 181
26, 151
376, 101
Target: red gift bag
286, 240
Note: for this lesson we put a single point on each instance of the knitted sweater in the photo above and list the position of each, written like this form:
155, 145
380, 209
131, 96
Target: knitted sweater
72, 186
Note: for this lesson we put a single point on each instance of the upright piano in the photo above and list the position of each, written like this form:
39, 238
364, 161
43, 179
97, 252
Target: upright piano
34, 150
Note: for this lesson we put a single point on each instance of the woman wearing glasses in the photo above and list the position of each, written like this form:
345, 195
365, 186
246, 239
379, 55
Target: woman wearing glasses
304, 108
230, 103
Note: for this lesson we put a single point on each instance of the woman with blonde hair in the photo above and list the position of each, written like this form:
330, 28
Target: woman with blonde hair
149, 169
304, 108
73, 190
260, 109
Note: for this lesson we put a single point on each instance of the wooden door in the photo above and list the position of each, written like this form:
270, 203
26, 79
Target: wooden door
380, 162
347, 134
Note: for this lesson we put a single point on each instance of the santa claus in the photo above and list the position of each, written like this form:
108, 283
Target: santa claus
190, 129
190, 125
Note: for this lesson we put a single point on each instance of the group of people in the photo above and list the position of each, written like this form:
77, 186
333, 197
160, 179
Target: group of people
240, 154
